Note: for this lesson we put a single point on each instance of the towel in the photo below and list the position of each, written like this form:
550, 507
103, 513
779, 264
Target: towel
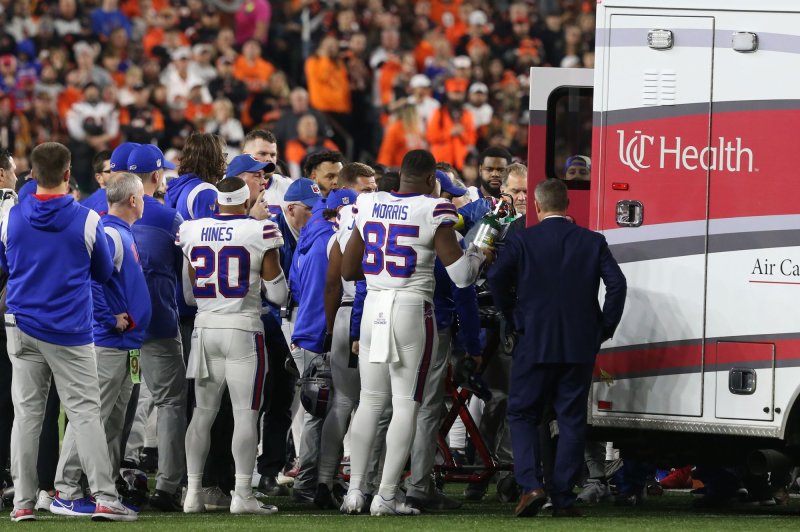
382, 347
197, 366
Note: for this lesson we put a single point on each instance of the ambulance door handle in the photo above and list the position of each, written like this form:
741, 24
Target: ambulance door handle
742, 381
630, 213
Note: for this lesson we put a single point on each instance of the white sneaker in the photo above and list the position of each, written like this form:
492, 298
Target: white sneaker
44, 501
284, 480
215, 499
381, 506
353, 502
113, 511
194, 502
250, 505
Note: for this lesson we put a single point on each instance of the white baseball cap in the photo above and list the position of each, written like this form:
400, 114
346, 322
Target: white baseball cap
419, 81
462, 61
479, 87
478, 18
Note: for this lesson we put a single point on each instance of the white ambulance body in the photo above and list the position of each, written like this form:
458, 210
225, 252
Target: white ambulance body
695, 144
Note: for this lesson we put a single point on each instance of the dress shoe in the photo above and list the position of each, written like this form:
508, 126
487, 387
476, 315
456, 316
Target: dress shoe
569, 511
530, 503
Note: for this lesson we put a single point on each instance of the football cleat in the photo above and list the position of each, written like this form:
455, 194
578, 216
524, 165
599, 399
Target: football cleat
250, 505
353, 502
381, 506
194, 502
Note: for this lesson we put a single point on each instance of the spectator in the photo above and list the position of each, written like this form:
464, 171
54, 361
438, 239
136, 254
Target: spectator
92, 126
251, 68
43, 121
286, 128
202, 67
107, 18
198, 110
451, 130
405, 133
328, 83
179, 79
67, 21
477, 104
88, 71
225, 85
420, 87
306, 143
252, 21
141, 121
225, 124
176, 127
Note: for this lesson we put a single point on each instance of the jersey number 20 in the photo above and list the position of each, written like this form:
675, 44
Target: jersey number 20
206, 263
380, 245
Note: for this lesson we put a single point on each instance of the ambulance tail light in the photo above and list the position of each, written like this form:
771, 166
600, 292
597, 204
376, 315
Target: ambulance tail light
604, 405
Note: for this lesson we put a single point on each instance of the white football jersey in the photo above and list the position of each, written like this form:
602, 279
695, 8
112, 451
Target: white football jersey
398, 231
226, 253
345, 222
273, 194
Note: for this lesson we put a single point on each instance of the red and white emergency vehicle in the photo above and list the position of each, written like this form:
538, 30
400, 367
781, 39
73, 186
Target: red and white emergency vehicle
691, 118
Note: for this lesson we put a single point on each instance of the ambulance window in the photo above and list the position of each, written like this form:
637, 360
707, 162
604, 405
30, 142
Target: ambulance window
569, 131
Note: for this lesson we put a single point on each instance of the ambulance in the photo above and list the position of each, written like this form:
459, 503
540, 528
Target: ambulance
691, 118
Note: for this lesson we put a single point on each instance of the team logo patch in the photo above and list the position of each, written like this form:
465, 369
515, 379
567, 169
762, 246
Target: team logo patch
380, 320
315, 189
158, 163
132, 167
345, 200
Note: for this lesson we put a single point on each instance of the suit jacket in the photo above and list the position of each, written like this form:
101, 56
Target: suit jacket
546, 281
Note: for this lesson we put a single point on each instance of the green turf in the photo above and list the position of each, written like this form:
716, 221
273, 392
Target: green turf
670, 512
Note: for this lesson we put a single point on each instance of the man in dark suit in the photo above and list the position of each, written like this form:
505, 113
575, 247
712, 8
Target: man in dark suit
546, 282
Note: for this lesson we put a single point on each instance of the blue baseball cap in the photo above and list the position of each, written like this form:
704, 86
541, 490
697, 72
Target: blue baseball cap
448, 185
247, 163
340, 197
119, 157
303, 190
147, 158
578, 160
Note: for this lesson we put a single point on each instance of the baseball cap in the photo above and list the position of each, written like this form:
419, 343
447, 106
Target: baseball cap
478, 18
247, 163
182, 52
303, 190
448, 185
340, 197
147, 158
578, 160
479, 87
462, 61
119, 157
419, 81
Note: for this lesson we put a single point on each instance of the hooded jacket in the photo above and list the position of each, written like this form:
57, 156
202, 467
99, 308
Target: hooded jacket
160, 259
52, 248
98, 201
193, 198
126, 291
307, 281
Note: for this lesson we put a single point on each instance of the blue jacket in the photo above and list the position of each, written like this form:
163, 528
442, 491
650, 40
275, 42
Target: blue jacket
473, 211
358, 309
547, 280
27, 189
98, 201
126, 291
44, 250
160, 259
307, 281
203, 204
286, 252
450, 301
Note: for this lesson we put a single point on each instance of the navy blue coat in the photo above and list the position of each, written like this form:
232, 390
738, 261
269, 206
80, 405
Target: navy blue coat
547, 280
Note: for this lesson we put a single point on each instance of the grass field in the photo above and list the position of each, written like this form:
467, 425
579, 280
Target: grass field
670, 512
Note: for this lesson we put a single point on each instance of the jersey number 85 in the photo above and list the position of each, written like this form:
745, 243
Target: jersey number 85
380, 245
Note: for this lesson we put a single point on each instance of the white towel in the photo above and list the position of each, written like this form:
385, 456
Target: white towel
382, 347
197, 366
